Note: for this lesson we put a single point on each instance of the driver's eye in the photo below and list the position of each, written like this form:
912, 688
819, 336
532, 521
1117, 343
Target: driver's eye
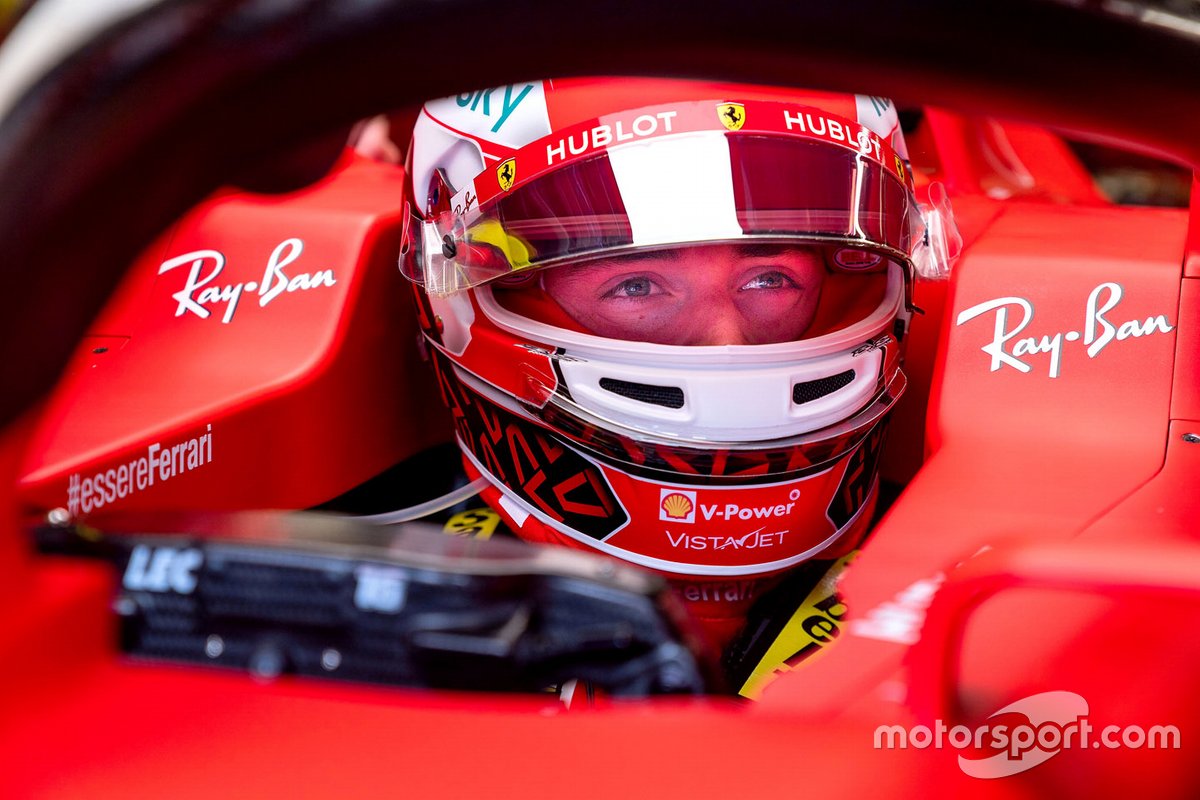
768, 280
633, 287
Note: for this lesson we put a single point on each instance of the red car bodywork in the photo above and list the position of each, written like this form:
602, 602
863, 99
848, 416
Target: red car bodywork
1052, 381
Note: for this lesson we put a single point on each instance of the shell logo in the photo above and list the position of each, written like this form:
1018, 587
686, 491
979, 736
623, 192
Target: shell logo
677, 505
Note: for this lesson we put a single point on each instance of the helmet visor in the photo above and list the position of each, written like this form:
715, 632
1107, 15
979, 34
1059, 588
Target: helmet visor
658, 194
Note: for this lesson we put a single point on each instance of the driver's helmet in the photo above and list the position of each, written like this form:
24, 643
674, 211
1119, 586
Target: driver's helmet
667, 316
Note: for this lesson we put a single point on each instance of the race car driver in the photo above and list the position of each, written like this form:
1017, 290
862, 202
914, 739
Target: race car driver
667, 318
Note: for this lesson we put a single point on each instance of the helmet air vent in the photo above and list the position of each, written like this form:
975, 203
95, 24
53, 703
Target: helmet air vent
667, 396
808, 391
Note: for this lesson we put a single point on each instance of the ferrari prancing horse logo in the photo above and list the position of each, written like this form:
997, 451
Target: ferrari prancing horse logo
732, 115
506, 173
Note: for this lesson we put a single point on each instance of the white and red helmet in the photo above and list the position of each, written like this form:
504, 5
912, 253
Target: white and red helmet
718, 464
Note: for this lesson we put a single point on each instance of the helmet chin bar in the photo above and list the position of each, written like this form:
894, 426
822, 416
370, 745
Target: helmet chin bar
867, 416
555, 491
672, 568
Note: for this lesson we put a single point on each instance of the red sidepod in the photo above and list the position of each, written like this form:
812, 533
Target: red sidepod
260, 354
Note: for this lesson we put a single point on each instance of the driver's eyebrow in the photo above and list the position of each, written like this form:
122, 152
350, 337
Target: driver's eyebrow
628, 259
763, 250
